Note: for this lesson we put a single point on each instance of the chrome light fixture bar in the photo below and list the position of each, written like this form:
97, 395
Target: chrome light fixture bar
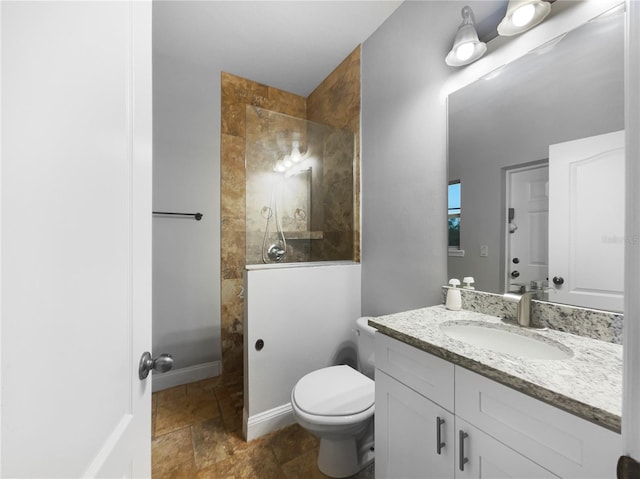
467, 48
522, 15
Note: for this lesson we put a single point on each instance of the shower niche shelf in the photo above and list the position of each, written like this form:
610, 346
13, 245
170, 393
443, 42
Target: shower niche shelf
303, 235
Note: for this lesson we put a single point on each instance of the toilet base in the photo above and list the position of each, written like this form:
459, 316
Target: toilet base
341, 457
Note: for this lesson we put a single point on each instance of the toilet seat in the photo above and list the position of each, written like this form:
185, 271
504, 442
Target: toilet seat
334, 391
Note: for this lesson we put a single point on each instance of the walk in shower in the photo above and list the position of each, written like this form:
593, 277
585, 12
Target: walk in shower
299, 190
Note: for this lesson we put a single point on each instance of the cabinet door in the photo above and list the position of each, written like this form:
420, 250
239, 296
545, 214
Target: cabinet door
478, 455
407, 427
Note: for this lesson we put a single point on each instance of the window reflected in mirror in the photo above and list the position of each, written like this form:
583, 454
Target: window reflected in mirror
453, 215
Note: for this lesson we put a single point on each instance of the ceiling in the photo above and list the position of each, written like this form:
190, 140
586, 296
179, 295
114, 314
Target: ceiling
291, 45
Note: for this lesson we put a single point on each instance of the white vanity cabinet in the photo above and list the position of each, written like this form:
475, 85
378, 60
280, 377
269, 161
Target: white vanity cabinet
489, 430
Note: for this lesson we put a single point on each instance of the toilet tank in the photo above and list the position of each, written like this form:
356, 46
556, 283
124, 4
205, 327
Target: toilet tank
365, 342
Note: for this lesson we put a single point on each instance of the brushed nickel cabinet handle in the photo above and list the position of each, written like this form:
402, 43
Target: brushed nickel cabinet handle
463, 460
440, 444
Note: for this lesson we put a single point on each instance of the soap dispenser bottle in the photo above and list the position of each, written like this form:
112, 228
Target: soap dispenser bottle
454, 300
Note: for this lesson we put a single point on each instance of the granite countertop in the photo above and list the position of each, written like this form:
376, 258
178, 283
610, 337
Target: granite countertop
588, 384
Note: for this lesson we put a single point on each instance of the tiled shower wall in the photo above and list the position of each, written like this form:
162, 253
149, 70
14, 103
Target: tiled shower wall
336, 102
312, 205
271, 199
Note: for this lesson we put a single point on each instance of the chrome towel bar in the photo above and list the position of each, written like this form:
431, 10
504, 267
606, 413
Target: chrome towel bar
197, 216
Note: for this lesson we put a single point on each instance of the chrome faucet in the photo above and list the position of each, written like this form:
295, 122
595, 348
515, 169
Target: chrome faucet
523, 316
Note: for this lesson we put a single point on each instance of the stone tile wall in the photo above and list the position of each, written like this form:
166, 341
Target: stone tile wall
335, 102
237, 93
272, 199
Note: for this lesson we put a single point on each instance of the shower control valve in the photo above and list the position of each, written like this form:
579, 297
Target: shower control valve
276, 252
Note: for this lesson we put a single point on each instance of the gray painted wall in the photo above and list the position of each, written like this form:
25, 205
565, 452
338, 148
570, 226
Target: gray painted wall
405, 83
403, 175
186, 175
404, 157
403, 179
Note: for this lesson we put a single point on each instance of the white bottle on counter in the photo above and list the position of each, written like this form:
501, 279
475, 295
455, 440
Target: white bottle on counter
454, 300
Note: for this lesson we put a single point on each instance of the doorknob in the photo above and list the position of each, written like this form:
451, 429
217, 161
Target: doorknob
162, 364
558, 280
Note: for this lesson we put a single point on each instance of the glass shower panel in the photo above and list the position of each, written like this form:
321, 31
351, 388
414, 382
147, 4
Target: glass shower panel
299, 190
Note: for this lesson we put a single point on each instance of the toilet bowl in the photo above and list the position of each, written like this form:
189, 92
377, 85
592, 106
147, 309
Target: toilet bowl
337, 404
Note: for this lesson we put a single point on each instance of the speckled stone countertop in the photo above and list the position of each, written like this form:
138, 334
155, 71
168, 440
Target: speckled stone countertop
588, 384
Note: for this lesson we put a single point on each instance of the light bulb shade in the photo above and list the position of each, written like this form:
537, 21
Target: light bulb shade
522, 15
467, 48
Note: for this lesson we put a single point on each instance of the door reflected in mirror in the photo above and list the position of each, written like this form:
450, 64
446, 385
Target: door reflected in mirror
527, 232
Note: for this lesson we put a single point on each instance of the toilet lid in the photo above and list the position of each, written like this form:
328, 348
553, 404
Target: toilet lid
334, 391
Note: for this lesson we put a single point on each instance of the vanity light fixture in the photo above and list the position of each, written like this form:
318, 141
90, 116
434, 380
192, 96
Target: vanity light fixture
467, 48
522, 15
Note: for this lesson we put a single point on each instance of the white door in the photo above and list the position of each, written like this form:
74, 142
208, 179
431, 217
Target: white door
586, 221
528, 230
76, 238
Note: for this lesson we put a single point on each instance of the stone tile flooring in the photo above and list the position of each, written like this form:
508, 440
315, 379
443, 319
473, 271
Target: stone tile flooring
197, 434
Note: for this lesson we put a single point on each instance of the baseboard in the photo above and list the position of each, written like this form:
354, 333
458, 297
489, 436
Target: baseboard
268, 421
185, 375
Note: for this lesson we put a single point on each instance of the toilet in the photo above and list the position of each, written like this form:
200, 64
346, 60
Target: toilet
337, 404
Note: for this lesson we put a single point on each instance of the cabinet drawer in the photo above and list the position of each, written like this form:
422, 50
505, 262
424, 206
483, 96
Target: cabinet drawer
427, 374
559, 441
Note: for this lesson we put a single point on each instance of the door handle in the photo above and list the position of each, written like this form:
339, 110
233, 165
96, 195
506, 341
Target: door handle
162, 364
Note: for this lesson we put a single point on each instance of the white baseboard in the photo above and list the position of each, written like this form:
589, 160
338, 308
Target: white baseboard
185, 375
268, 421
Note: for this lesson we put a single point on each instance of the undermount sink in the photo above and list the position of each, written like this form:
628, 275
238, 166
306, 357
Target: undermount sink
506, 339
